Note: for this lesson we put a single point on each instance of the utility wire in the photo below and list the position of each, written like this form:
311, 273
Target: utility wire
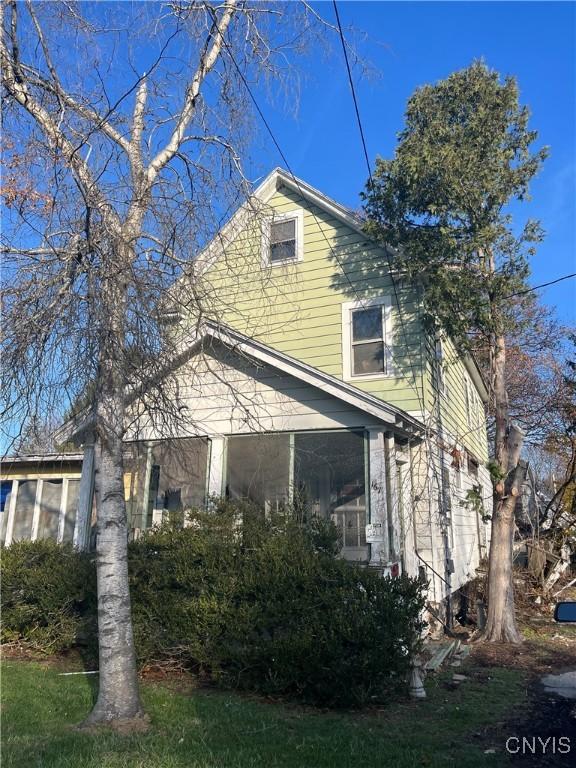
542, 285
414, 386
361, 301
385, 249
352, 89
438, 480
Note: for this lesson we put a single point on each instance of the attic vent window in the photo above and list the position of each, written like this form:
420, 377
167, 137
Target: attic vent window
283, 240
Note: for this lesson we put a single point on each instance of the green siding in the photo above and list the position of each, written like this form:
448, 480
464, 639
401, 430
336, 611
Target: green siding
297, 308
471, 433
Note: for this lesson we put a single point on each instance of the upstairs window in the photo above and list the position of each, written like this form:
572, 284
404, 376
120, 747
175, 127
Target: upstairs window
366, 336
368, 342
283, 239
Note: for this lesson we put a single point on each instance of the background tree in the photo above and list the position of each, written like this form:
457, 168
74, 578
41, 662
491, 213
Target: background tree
125, 123
559, 444
441, 204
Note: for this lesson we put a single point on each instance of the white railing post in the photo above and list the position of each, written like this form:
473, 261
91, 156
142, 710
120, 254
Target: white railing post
11, 513
394, 544
377, 529
37, 510
85, 494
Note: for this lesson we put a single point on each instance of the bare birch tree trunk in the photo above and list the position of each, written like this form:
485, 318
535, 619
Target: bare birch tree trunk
118, 697
124, 195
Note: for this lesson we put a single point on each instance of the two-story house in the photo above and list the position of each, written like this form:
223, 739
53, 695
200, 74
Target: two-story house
308, 378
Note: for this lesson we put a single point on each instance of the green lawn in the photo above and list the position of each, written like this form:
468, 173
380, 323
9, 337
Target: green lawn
204, 729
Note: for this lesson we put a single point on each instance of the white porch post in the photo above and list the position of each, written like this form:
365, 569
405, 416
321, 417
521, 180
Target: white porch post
63, 505
407, 521
145, 493
85, 494
377, 530
11, 513
394, 535
216, 469
37, 507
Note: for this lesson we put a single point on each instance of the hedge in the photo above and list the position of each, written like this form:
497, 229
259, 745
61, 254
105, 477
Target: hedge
264, 606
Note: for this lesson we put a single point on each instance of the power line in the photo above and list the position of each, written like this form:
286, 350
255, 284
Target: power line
442, 491
360, 300
360, 128
542, 285
363, 140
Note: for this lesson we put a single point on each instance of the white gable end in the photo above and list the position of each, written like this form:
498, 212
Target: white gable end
223, 391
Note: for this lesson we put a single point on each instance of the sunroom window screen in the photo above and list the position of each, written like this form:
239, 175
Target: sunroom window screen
50, 509
258, 469
283, 240
26, 501
323, 473
329, 481
167, 475
368, 342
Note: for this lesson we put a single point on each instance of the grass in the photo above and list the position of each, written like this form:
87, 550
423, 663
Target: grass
204, 729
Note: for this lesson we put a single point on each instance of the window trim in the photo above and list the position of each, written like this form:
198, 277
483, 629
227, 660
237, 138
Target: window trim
441, 369
298, 216
348, 308
467, 400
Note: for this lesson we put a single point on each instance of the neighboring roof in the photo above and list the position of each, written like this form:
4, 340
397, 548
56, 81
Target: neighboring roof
46, 458
10, 465
400, 421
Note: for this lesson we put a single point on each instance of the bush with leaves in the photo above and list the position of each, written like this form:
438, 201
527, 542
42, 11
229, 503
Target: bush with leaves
261, 603
48, 596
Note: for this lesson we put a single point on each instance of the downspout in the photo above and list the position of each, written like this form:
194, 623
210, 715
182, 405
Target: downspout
444, 491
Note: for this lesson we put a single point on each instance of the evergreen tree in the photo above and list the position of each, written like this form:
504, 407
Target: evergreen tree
442, 206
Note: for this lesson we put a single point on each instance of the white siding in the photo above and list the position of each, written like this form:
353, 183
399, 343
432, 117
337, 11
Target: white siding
224, 392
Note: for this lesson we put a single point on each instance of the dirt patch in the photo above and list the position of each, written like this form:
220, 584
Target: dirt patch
543, 735
70, 661
545, 738
126, 727
536, 657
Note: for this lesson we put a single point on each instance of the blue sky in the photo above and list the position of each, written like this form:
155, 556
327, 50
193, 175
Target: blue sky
412, 43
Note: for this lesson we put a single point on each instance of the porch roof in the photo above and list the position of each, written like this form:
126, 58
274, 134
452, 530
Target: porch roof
399, 421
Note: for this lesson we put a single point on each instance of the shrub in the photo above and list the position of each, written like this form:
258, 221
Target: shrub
247, 601
48, 596
266, 606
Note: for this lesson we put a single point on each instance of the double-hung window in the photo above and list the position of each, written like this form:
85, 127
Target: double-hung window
366, 337
283, 239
